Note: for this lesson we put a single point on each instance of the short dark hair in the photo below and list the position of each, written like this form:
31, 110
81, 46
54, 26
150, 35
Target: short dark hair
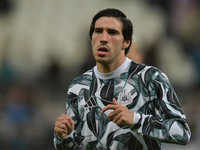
127, 29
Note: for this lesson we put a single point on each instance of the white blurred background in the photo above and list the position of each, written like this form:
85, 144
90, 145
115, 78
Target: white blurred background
44, 44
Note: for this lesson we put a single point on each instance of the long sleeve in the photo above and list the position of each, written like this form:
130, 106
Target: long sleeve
74, 140
162, 118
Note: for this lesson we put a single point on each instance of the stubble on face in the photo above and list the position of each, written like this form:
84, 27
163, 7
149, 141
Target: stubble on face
107, 41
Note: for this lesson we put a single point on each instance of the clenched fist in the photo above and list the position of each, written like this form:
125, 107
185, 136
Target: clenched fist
64, 125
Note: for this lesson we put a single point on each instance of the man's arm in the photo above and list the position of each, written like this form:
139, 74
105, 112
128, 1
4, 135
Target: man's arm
161, 118
165, 121
65, 136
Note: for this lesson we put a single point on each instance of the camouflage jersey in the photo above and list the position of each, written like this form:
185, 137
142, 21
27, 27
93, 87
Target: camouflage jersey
145, 90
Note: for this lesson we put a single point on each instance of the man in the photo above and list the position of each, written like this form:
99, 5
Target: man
119, 104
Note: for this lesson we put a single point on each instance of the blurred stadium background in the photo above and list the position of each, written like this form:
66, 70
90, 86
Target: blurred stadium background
44, 44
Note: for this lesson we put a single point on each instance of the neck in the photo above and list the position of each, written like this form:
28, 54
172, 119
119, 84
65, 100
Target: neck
109, 67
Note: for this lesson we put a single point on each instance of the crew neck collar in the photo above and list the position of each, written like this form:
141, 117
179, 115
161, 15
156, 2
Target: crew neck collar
114, 73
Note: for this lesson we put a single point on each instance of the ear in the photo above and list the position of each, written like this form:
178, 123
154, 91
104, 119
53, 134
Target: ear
125, 44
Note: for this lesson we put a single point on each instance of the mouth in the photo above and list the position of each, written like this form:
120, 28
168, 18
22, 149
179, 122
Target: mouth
102, 49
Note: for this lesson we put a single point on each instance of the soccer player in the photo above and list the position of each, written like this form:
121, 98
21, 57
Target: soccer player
119, 104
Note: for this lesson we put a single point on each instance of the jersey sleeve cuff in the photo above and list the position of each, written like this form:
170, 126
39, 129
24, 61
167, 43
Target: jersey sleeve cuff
61, 139
136, 118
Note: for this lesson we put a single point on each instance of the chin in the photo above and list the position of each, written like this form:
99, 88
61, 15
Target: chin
102, 61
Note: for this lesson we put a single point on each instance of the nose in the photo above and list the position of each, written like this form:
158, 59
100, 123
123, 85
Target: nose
104, 37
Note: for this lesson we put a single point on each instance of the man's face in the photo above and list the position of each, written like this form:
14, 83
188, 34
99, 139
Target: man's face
108, 43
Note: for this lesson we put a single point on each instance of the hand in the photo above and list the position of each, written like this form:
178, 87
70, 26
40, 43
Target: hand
64, 125
121, 115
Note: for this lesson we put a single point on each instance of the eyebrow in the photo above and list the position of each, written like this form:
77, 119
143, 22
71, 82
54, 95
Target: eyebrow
98, 29
113, 30
109, 30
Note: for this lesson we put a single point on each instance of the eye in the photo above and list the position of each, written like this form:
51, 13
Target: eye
113, 32
98, 30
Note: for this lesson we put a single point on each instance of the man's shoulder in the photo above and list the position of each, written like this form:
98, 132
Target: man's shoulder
84, 78
138, 68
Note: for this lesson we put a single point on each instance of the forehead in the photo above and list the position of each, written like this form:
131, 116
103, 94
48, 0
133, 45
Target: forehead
109, 22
